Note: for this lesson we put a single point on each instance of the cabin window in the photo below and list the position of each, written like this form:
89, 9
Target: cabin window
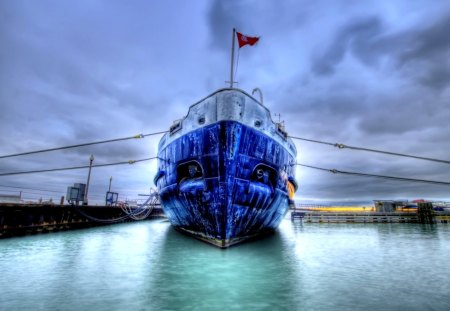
258, 123
281, 131
176, 126
201, 120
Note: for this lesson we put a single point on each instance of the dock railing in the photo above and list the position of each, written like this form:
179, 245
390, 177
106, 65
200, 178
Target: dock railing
317, 213
320, 213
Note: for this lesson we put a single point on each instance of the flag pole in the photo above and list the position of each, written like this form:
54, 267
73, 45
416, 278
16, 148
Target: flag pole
232, 58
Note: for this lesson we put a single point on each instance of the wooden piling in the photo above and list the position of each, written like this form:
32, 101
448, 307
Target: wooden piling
425, 213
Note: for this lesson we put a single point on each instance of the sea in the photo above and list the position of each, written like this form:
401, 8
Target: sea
147, 265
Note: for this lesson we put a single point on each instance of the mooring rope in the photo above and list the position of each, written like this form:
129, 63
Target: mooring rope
138, 136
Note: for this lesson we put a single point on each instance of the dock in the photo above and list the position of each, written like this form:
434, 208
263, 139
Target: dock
24, 219
422, 216
359, 217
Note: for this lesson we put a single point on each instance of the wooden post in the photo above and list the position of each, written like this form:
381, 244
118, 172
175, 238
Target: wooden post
425, 213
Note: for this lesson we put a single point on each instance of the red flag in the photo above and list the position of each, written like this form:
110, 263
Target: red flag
243, 39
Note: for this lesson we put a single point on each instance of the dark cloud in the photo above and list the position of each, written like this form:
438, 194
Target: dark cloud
222, 17
358, 37
438, 75
429, 42
420, 53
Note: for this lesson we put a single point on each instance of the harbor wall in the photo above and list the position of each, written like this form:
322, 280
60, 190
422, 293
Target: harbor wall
23, 219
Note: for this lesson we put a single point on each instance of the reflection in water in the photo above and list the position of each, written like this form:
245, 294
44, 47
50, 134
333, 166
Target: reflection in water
378, 266
195, 276
93, 269
149, 266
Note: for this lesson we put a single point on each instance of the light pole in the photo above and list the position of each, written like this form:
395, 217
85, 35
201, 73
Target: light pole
85, 201
110, 180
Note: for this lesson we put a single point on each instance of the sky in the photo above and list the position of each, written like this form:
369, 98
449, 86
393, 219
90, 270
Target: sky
372, 74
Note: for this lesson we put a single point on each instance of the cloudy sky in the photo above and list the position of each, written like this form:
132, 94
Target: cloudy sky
373, 74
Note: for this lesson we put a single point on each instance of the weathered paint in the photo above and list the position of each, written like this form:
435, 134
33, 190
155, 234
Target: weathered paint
225, 181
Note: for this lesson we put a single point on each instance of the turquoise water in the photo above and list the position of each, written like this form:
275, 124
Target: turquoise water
149, 266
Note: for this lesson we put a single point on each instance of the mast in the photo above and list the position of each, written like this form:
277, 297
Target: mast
232, 58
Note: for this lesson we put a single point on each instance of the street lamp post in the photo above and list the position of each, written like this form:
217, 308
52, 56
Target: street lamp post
110, 180
85, 201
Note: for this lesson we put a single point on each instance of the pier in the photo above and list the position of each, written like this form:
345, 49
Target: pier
357, 217
423, 215
23, 219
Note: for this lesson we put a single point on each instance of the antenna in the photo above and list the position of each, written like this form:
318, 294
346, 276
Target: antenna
279, 123
279, 117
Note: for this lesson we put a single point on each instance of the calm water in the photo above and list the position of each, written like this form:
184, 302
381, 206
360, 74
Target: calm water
149, 266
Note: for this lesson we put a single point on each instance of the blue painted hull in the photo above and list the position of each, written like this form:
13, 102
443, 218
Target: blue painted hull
224, 183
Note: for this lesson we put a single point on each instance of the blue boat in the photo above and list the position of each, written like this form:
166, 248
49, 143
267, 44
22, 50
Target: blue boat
226, 170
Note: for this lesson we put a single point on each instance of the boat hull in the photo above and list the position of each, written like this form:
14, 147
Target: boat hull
224, 183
